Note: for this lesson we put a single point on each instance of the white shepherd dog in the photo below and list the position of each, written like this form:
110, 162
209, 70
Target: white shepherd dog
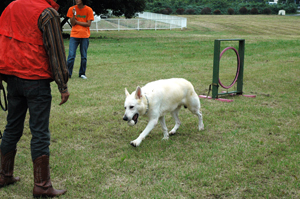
156, 99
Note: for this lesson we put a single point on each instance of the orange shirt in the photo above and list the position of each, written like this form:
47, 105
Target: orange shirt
83, 15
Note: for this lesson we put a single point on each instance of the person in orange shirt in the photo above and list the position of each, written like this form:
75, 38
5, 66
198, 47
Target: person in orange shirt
81, 17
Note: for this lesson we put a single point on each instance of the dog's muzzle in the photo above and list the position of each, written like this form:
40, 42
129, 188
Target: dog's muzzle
134, 118
125, 118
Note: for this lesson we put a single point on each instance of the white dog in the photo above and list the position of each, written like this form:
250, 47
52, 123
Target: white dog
156, 99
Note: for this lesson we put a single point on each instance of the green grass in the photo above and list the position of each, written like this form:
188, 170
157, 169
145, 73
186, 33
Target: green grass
249, 149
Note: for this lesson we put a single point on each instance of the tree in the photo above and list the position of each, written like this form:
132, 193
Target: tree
3, 5
128, 8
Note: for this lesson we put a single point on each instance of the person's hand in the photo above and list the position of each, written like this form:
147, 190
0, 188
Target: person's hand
1, 86
2, 79
64, 97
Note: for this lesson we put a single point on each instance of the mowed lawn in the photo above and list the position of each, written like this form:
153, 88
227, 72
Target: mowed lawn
249, 149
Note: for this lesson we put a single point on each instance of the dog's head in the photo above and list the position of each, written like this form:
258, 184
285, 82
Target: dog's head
133, 106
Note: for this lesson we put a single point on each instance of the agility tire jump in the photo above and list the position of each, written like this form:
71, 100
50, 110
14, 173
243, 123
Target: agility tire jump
237, 70
216, 83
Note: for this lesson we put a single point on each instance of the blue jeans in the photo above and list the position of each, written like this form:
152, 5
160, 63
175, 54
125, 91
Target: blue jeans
84, 44
34, 95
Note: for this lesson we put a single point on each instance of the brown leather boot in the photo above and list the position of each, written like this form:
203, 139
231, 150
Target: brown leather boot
7, 169
42, 183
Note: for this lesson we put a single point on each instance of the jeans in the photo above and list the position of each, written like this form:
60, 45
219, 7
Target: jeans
84, 44
34, 95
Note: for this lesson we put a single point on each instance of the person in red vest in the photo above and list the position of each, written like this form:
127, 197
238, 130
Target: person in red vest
32, 54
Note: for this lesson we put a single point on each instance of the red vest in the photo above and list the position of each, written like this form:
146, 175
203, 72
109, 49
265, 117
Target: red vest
22, 51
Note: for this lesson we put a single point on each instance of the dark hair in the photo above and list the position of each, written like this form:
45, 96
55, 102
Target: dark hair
84, 2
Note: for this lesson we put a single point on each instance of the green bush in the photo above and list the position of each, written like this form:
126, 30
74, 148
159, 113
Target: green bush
166, 11
267, 11
190, 11
254, 11
243, 10
180, 11
230, 11
196, 8
206, 11
291, 8
163, 11
217, 12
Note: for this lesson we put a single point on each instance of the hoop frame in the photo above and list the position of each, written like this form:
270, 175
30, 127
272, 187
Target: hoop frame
216, 64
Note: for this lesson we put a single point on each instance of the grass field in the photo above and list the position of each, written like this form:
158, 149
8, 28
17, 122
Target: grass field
250, 148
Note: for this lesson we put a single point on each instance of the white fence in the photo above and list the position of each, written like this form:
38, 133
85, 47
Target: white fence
175, 21
144, 21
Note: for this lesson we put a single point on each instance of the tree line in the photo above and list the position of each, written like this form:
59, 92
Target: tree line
128, 8
220, 6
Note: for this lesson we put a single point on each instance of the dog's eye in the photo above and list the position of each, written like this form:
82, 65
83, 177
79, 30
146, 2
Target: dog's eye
131, 107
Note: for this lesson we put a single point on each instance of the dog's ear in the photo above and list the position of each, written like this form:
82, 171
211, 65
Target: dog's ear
138, 93
126, 92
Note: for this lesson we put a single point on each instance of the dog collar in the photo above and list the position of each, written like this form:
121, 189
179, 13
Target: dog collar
147, 104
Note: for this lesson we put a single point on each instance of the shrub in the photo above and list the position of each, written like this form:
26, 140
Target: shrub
205, 11
190, 11
198, 9
217, 12
267, 11
243, 10
230, 11
180, 11
254, 11
290, 8
169, 10
164, 11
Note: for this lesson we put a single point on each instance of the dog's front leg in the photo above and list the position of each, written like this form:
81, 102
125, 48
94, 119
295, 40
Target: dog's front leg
145, 132
164, 127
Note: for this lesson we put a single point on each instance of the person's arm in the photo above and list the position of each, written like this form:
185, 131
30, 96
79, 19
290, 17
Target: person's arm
72, 19
49, 24
90, 18
84, 24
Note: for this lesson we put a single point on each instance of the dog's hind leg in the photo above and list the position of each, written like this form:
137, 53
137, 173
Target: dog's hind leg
194, 107
201, 125
177, 121
164, 127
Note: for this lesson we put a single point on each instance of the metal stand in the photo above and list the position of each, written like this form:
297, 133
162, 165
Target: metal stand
216, 63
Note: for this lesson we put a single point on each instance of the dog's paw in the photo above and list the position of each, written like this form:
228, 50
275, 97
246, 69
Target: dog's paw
201, 128
135, 143
132, 144
166, 138
172, 133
